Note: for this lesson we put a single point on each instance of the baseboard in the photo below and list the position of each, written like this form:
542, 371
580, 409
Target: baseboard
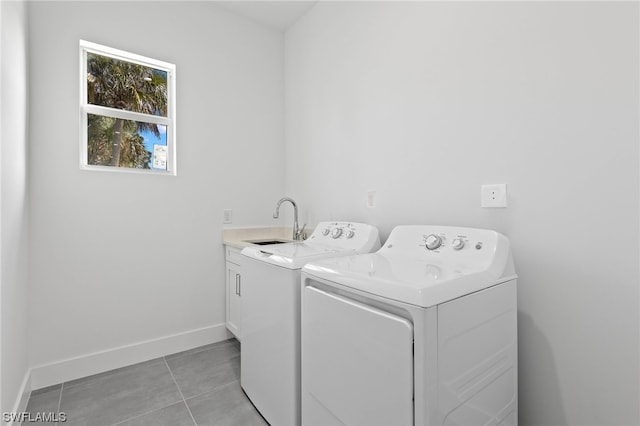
98, 362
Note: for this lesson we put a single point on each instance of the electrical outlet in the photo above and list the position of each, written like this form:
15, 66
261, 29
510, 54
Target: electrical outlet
227, 216
371, 199
493, 195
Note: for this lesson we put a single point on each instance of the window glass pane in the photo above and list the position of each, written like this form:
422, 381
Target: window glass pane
125, 85
125, 143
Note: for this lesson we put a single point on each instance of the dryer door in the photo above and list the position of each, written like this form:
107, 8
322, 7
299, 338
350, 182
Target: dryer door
357, 363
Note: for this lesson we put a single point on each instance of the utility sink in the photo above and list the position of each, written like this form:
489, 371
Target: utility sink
267, 242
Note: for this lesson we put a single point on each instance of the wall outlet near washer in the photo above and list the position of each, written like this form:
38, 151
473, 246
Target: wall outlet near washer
227, 216
494, 195
371, 199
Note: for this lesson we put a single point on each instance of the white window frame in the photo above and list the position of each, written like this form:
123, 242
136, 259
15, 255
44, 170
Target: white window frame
86, 108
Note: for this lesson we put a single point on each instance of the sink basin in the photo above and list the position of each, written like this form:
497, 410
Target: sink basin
266, 242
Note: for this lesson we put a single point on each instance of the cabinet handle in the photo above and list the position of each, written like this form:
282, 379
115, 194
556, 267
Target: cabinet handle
237, 284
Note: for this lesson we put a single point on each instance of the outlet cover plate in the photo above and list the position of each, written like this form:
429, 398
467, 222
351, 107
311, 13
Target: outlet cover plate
372, 199
494, 195
227, 216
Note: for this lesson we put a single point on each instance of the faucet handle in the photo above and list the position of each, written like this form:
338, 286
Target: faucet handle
300, 234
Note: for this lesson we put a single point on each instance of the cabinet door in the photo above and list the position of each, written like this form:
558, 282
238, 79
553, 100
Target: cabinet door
234, 301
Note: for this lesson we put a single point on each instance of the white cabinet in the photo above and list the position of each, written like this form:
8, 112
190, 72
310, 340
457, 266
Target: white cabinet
234, 290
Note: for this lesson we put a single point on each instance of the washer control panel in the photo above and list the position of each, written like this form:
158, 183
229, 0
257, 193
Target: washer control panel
344, 234
337, 230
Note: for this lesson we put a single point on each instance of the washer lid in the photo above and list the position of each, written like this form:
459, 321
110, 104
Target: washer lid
329, 239
294, 255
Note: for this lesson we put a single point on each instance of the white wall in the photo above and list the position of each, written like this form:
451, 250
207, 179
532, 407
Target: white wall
425, 101
119, 259
14, 204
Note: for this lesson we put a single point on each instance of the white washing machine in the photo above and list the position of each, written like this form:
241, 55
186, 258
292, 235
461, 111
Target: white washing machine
422, 332
270, 348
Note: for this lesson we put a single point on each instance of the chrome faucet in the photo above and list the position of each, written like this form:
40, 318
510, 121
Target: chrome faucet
297, 232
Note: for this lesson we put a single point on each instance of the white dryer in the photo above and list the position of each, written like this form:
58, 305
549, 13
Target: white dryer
270, 348
422, 332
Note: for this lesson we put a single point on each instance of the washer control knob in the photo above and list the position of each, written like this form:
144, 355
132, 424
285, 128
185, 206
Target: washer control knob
350, 233
326, 231
432, 242
336, 233
457, 243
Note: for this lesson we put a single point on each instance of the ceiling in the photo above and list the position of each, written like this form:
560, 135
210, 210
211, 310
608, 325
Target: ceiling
280, 15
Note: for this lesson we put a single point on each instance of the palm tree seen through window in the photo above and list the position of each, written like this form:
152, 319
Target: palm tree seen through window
127, 111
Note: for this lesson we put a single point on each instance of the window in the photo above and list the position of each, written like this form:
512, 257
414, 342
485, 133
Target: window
127, 111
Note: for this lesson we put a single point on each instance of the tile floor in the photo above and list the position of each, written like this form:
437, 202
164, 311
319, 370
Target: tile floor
198, 387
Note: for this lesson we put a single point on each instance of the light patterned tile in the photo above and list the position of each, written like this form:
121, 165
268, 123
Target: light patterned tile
207, 370
230, 343
120, 395
173, 415
45, 405
227, 405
